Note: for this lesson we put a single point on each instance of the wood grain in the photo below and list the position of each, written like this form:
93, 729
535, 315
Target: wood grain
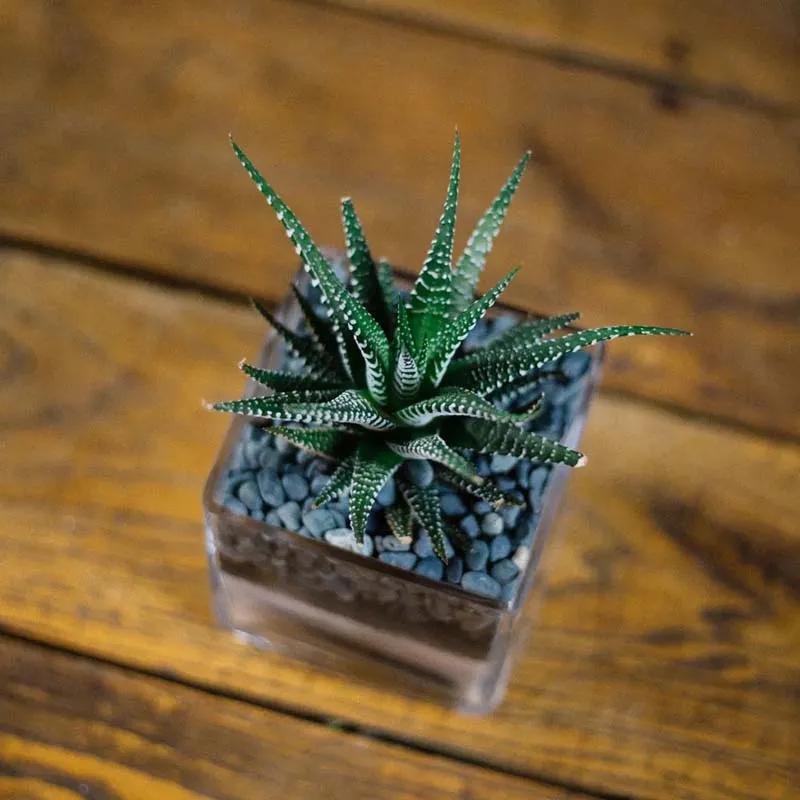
72, 728
666, 660
114, 143
745, 50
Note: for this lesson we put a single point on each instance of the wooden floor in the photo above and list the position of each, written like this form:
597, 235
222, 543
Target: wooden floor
666, 190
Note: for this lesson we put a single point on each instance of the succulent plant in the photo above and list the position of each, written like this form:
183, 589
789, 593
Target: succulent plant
384, 379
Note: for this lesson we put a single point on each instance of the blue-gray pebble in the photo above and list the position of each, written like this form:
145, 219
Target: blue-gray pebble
481, 583
250, 496
318, 483
501, 464
289, 514
269, 485
388, 494
420, 472
402, 560
318, 521
510, 515
295, 486
394, 545
236, 505
269, 458
477, 555
470, 526
504, 571
499, 548
455, 569
430, 567
452, 505
492, 524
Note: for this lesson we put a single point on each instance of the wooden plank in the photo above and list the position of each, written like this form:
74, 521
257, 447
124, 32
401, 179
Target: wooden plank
666, 660
73, 728
745, 50
114, 143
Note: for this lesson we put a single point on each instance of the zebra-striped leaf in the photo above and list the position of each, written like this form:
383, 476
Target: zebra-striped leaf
532, 330
351, 407
424, 505
406, 375
450, 337
503, 438
486, 490
488, 370
434, 448
364, 281
374, 465
346, 311
337, 484
430, 298
325, 442
399, 520
469, 267
288, 381
452, 402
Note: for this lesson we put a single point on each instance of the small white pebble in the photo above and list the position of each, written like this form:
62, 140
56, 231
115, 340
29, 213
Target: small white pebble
521, 557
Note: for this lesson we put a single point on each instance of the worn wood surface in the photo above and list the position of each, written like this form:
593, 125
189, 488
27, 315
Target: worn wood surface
72, 728
679, 211
666, 660
745, 49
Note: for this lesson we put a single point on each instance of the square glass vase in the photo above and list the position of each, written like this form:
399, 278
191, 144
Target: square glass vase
358, 617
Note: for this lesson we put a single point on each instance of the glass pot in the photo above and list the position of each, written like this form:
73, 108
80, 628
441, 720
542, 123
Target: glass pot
357, 616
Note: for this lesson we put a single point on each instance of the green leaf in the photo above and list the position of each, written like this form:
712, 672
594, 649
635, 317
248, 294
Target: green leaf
469, 267
322, 331
399, 520
489, 369
375, 463
288, 381
450, 337
406, 376
533, 330
424, 505
430, 298
452, 402
483, 491
364, 281
434, 448
346, 311
351, 407
338, 483
303, 347
325, 442
503, 438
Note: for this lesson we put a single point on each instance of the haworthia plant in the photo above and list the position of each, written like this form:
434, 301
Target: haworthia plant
383, 378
